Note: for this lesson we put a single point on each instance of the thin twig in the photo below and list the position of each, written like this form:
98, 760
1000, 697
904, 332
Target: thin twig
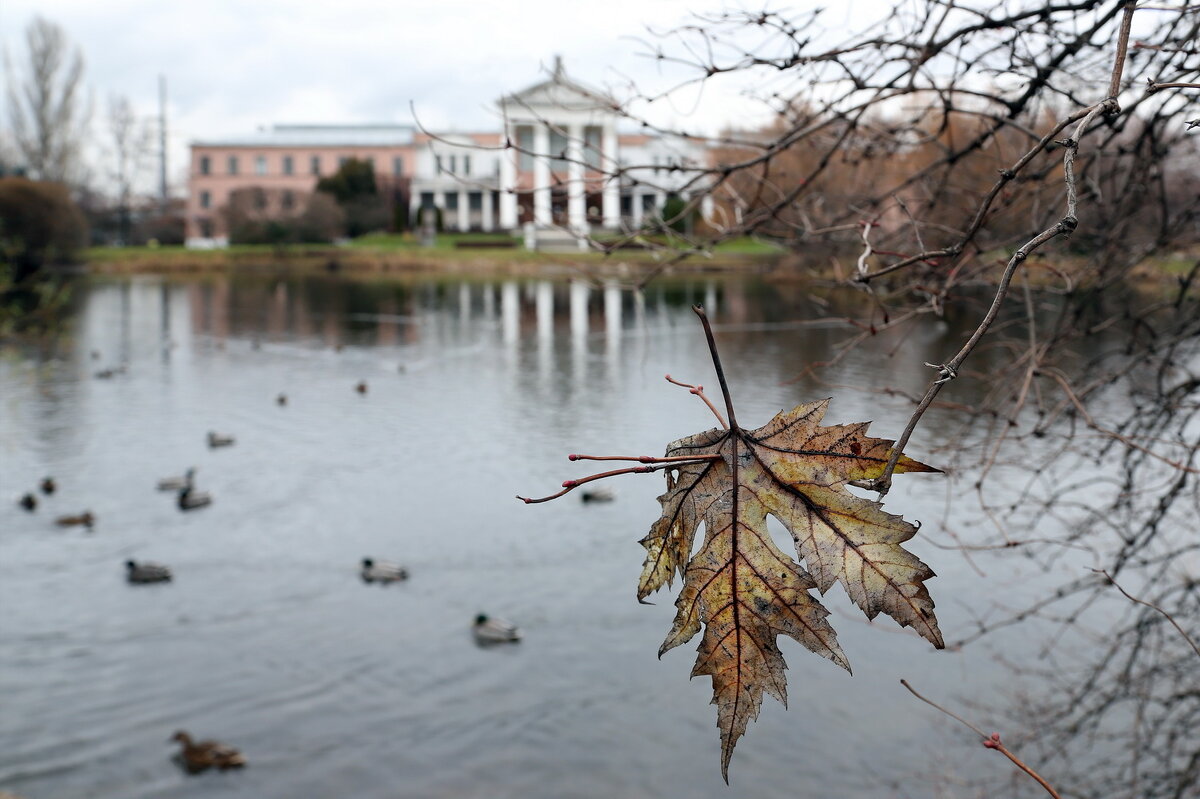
1152, 606
699, 392
989, 741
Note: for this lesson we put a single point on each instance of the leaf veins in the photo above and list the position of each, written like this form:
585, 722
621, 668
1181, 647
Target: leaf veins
739, 586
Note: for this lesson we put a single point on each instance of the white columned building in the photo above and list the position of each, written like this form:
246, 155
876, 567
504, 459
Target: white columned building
565, 137
559, 170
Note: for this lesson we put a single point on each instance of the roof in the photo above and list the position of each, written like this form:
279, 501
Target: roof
559, 91
372, 135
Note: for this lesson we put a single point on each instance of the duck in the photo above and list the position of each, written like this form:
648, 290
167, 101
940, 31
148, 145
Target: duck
177, 483
28, 502
598, 495
281, 400
198, 756
48, 485
361, 388
382, 571
495, 631
87, 519
190, 498
146, 572
219, 440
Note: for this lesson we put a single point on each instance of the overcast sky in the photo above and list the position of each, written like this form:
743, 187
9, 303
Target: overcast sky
234, 66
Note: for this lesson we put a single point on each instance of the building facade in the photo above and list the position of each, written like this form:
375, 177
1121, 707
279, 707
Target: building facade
570, 169
285, 162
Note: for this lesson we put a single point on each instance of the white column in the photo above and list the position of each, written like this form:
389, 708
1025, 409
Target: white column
636, 201
464, 211
660, 199
508, 186
541, 175
576, 200
487, 209
706, 208
611, 205
414, 205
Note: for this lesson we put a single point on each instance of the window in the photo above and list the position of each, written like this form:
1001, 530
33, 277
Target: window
288, 201
314, 165
558, 148
437, 164
260, 165
206, 228
454, 165
289, 166
398, 166
342, 159
233, 165
592, 142
205, 165
427, 199
525, 145
466, 165
260, 199
475, 201
205, 200
451, 201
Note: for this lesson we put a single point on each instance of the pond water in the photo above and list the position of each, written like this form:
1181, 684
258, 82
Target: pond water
477, 390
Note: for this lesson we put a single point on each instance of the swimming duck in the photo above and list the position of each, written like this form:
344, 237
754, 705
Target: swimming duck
494, 631
190, 498
361, 388
598, 495
219, 440
86, 519
146, 572
198, 756
48, 485
382, 571
28, 502
177, 483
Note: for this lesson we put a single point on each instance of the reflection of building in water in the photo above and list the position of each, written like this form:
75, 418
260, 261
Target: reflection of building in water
559, 174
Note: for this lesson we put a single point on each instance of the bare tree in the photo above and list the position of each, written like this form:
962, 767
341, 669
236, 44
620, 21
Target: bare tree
46, 108
1032, 166
128, 138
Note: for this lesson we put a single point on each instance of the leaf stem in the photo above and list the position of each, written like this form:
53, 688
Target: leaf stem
699, 392
712, 348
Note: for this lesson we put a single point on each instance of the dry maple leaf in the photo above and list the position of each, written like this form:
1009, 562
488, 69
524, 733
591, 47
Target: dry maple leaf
739, 586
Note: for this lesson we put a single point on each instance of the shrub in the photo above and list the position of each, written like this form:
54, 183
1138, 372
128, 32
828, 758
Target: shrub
38, 224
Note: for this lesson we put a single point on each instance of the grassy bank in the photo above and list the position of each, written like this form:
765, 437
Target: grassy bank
465, 252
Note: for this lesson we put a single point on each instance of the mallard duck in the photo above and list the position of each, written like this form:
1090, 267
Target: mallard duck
190, 498
146, 572
361, 388
494, 631
281, 399
219, 440
200, 755
28, 502
598, 495
48, 485
382, 571
86, 519
177, 483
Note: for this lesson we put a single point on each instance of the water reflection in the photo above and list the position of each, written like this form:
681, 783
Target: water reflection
267, 637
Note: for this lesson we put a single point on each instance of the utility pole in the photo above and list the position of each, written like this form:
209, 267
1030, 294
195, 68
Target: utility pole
162, 143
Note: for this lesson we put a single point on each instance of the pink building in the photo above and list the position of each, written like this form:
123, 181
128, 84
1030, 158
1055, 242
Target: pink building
285, 162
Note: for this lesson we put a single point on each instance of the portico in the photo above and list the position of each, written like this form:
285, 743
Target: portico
561, 171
